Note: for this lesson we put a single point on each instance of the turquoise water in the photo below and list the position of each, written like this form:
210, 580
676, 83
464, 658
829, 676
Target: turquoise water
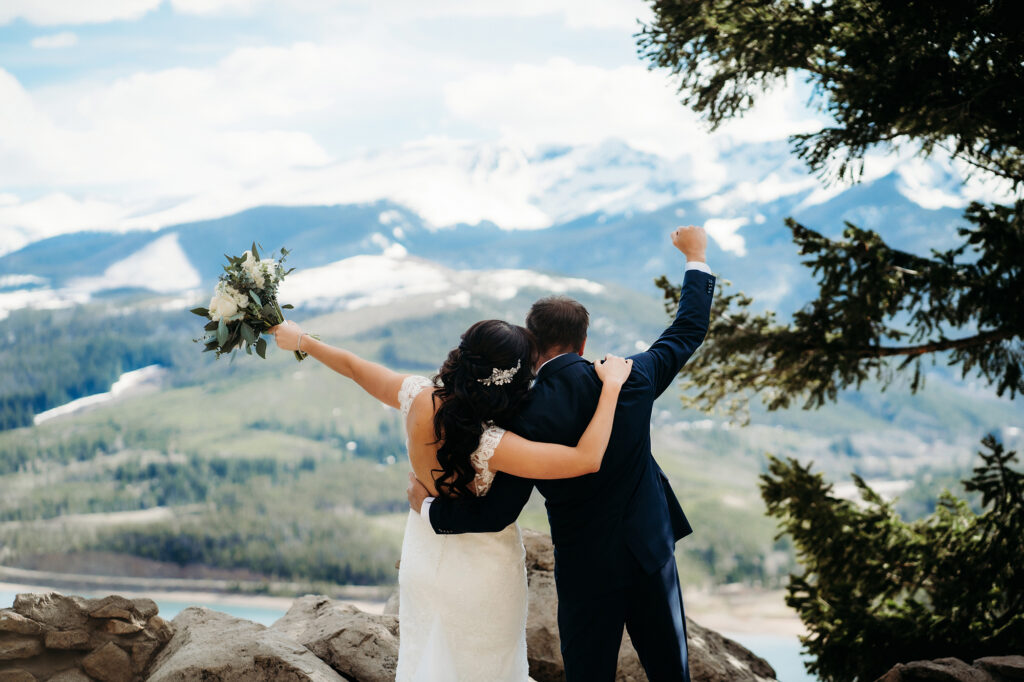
782, 652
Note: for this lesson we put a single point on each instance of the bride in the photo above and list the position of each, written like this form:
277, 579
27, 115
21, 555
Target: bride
462, 598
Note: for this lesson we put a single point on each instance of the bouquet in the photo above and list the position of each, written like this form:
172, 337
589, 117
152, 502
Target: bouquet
244, 304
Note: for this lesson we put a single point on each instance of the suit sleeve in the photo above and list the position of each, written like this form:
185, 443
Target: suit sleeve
662, 361
491, 513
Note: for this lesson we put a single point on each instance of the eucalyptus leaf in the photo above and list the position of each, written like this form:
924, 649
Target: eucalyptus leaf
261, 348
248, 334
222, 332
255, 298
201, 312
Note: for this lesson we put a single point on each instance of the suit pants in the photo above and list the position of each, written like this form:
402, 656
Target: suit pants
650, 607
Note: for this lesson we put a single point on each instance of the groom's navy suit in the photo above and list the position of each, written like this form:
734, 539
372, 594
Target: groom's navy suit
614, 531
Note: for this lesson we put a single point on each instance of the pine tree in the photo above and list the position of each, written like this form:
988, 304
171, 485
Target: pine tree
927, 76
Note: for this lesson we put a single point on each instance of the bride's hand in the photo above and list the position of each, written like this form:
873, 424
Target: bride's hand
287, 335
613, 369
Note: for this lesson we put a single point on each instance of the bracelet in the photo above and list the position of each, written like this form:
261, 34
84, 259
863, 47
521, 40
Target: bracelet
298, 346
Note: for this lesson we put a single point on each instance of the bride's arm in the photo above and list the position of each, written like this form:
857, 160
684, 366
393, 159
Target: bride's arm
377, 380
528, 459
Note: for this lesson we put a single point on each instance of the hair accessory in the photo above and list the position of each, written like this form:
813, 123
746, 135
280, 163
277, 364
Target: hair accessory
500, 377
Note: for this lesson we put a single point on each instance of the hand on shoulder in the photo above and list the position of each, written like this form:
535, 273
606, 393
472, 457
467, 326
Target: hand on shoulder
613, 370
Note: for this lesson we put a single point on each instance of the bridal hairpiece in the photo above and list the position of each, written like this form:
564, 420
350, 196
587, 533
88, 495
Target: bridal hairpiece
500, 377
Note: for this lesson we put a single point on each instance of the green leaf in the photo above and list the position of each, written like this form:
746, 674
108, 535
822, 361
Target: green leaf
248, 334
255, 298
288, 306
211, 325
255, 253
261, 348
222, 332
201, 312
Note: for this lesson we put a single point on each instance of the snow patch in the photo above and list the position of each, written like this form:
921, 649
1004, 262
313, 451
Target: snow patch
363, 281
160, 266
127, 383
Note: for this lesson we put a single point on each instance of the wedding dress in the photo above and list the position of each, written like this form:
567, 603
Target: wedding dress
462, 598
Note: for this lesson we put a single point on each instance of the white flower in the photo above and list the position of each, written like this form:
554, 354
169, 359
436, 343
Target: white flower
226, 302
255, 269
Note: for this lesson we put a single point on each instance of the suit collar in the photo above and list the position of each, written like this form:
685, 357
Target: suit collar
557, 364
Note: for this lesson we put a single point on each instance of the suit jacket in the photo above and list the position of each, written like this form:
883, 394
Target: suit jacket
625, 508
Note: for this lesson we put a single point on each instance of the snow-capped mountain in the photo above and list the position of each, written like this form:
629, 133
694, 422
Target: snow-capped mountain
597, 212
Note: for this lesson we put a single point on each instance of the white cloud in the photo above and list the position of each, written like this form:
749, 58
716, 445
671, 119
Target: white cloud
724, 232
56, 12
55, 41
561, 101
777, 114
53, 214
213, 6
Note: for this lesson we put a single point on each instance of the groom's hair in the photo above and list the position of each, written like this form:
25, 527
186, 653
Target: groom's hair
558, 322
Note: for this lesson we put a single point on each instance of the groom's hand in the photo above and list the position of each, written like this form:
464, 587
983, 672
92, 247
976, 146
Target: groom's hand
416, 492
692, 241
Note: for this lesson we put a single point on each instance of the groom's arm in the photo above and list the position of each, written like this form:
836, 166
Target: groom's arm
659, 365
662, 361
490, 513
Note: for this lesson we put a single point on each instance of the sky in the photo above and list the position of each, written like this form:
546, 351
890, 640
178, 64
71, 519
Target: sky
111, 111
127, 114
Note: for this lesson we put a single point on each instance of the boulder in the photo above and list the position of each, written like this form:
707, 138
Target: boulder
109, 663
14, 647
56, 610
67, 639
1006, 667
212, 645
989, 669
713, 658
72, 675
16, 675
58, 637
360, 646
12, 621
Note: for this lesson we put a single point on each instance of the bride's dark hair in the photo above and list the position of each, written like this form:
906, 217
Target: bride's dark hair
467, 403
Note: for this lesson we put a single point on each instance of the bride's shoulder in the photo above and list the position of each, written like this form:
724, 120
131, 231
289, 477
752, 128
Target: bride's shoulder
412, 388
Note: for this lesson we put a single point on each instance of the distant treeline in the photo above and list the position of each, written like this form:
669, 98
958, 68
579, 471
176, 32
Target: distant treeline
50, 357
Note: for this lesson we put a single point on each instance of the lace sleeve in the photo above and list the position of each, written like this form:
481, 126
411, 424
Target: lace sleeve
411, 387
480, 458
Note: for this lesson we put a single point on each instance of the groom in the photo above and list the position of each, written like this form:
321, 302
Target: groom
614, 531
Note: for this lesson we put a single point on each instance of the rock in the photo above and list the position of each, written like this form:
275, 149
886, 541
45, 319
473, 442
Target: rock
114, 606
713, 658
12, 621
73, 675
13, 647
391, 606
1009, 667
212, 645
109, 663
361, 646
67, 639
16, 675
56, 610
121, 627
939, 670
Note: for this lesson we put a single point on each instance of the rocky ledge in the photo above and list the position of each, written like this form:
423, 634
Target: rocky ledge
70, 639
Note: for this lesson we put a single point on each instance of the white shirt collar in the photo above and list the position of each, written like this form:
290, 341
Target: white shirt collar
546, 362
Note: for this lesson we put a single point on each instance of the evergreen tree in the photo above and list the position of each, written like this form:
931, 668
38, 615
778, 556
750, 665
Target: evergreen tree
928, 76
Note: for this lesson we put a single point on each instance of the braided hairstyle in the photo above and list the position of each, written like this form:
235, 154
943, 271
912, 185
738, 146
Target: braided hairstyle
467, 404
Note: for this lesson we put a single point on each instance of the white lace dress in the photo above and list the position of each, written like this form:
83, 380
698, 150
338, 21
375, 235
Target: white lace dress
462, 598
